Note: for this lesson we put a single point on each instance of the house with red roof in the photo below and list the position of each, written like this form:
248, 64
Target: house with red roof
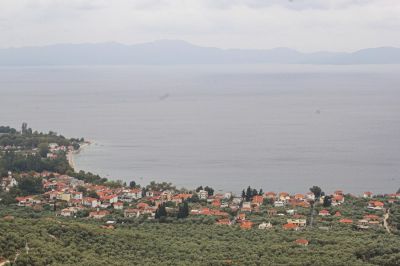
338, 192
27, 201
224, 222
142, 205
367, 195
324, 213
99, 214
284, 196
375, 205
337, 200
241, 217
299, 196
300, 222
301, 241
270, 195
246, 224
346, 221
90, 202
129, 213
76, 195
290, 226
118, 205
257, 200
109, 199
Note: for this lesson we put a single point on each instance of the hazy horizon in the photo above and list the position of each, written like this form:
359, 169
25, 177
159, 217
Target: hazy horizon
150, 41
304, 25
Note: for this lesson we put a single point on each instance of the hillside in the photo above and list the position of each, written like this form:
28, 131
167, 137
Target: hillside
166, 52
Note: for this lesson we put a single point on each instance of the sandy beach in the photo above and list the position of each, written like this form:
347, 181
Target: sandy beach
70, 154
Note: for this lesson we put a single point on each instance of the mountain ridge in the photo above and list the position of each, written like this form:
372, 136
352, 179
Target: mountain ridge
165, 52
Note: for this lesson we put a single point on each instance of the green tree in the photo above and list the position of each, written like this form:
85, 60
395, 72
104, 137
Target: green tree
92, 194
316, 190
210, 190
183, 211
24, 128
83, 190
161, 211
132, 184
43, 149
29, 185
327, 201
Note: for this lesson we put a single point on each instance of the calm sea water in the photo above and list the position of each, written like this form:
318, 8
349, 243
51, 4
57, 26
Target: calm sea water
280, 128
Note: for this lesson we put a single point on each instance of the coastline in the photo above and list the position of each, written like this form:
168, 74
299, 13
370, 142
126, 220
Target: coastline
70, 154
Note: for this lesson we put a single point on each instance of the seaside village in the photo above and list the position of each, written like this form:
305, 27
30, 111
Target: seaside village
66, 196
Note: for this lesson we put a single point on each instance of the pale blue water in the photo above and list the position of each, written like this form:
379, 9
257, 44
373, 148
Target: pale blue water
282, 128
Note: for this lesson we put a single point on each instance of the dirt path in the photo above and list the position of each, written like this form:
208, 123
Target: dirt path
385, 223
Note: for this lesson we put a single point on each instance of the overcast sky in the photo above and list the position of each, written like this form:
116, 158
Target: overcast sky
306, 25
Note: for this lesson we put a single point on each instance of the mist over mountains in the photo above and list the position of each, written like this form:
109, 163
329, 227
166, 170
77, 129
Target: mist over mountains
166, 52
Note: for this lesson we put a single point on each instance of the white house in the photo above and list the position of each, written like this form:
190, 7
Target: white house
265, 225
203, 194
279, 203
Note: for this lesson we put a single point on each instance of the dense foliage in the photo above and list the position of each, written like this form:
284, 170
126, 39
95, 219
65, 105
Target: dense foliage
18, 162
22, 151
54, 241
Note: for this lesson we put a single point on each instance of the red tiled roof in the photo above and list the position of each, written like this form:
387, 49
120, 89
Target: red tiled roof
377, 203
258, 199
302, 241
224, 221
289, 226
246, 225
371, 217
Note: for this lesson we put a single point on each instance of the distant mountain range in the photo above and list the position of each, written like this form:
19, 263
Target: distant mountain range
180, 52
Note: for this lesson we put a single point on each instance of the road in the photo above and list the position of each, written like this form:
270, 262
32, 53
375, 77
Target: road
385, 223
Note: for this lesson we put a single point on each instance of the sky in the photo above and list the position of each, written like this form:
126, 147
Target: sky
305, 25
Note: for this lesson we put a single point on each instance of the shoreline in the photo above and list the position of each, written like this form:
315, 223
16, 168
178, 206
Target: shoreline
70, 154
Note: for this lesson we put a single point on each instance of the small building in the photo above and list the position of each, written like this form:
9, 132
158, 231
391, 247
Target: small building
270, 195
290, 226
246, 224
346, 221
298, 222
90, 202
324, 213
69, 212
99, 214
264, 226
367, 195
375, 205
129, 213
118, 205
279, 203
337, 214
302, 242
203, 194
224, 222
257, 200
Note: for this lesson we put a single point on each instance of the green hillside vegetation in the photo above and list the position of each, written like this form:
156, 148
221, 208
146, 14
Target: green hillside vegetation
53, 241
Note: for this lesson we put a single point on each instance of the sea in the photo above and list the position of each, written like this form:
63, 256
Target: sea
275, 127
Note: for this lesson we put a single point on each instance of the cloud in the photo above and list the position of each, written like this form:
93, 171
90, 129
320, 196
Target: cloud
307, 25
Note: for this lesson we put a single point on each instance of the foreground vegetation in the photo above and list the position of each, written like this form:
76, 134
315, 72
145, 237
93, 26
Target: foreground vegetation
51, 241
